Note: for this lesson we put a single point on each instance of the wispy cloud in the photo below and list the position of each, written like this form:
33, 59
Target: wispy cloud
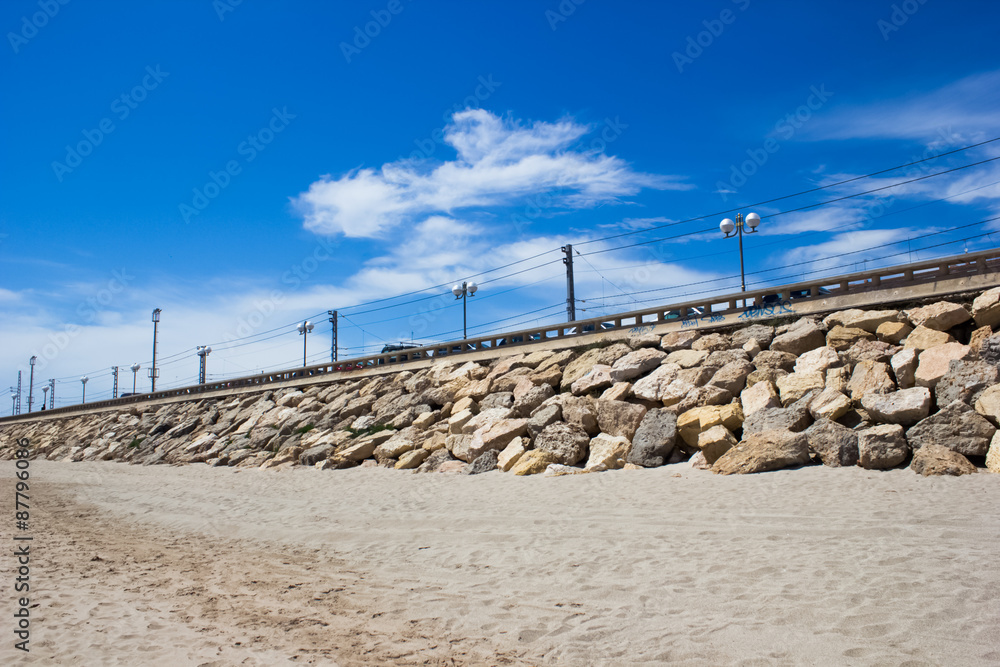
499, 162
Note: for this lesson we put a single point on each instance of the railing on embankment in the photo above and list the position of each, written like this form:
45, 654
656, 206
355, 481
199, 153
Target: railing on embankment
958, 273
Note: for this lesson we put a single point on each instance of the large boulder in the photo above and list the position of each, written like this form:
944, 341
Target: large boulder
607, 452
533, 462
712, 342
904, 367
835, 444
893, 332
882, 447
567, 442
485, 462
636, 363
651, 387
759, 396
655, 438
715, 442
412, 459
582, 364
817, 360
923, 338
965, 381
761, 333
794, 386
829, 404
939, 316
935, 362
841, 338
596, 379
692, 422
678, 340
956, 426
794, 418
686, 358
986, 308
869, 350
867, 320
989, 350
580, 410
495, 437
314, 455
767, 450
939, 460
698, 396
775, 359
993, 454
529, 400
542, 417
732, 376
905, 407
619, 418
804, 335
510, 454
988, 404
870, 377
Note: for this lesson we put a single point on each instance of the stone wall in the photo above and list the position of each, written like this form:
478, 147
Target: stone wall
875, 389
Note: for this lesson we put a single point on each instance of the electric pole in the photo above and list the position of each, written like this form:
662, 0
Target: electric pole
18, 410
153, 372
114, 373
570, 289
52, 393
333, 343
31, 381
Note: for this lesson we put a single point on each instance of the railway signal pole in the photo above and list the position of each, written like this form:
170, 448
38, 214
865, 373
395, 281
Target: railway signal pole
333, 343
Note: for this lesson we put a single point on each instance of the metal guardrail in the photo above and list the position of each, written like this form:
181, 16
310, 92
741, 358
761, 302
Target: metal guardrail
767, 302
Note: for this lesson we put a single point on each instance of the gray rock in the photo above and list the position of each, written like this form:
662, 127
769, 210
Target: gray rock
905, 407
485, 462
836, 445
654, 440
542, 417
531, 399
618, 418
804, 336
939, 460
636, 363
775, 359
989, 351
732, 376
762, 333
435, 460
567, 442
315, 454
697, 397
882, 447
965, 381
580, 410
500, 399
720, 358
956, 426
794, 418
763, 451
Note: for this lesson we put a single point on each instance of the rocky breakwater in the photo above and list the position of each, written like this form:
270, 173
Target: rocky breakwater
877, 389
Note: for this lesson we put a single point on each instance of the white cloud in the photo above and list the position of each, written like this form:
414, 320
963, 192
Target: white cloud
499, 162
959, 113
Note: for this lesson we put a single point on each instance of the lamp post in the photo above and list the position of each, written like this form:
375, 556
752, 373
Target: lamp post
13, 398
304, 328
203, 352
45, 396
135, 371
31, 380
731, 229
462, 292
83, 381
152, 371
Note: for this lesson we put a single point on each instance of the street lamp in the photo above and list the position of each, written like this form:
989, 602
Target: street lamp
202, 352
304, 328
83, 381
462, 292
153, 373
31, 380
45, 396
728, 226
135, 371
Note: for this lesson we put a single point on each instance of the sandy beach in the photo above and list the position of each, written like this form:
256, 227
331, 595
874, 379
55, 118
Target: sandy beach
212, 566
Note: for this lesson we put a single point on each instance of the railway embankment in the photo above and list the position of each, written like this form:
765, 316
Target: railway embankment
877, 389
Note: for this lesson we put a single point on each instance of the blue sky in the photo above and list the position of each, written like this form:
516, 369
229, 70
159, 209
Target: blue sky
245, 165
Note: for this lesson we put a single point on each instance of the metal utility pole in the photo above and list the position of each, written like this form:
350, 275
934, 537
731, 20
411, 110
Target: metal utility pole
18, 411
153, 372
333, 344
52, 393
203, 351
114, 374
570, 288
31, 381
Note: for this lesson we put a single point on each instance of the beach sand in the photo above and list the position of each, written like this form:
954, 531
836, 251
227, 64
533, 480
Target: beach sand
214, 566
